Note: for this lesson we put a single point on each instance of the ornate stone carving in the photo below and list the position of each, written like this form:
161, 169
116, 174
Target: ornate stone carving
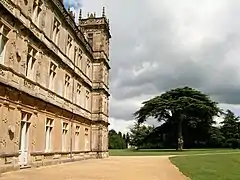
2, 73
38, 74
34, 29
18, 123
51, 95
43, 19
54, 48
23, 64
5, 120
11, 57
3, 142
29, 85
33, 142
16, 142
66, 103
8, 4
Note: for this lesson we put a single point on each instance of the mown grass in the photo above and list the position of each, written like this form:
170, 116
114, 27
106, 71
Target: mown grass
209, 167
160, 152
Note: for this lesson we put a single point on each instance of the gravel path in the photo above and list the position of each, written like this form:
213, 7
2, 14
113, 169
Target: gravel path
113, 168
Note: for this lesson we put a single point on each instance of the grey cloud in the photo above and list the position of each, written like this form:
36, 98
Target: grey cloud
147, 37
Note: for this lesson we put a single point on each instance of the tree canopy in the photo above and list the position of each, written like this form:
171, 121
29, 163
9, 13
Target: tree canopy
138, 134
180, 106
117, 140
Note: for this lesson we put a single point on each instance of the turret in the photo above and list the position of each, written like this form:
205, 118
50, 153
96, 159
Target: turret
96, 31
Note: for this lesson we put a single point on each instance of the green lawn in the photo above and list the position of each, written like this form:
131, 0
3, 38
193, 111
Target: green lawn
209, 167
159, 152
194, 164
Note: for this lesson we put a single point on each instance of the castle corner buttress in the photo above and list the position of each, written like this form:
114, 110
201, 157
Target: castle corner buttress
54, 84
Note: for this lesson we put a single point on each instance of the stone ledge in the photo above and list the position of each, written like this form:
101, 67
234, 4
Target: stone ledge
4, 155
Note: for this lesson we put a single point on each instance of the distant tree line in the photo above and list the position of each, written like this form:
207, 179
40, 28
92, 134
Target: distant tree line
187, 121
117, 140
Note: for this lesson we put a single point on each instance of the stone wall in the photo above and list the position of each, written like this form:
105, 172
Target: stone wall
53, 86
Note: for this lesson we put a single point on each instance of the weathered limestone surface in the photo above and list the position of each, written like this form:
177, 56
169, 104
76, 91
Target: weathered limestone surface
54, 84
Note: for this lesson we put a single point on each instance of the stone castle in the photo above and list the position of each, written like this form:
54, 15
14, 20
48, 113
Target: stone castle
54, 87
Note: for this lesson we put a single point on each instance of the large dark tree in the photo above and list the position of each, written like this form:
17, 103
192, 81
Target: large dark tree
180, 105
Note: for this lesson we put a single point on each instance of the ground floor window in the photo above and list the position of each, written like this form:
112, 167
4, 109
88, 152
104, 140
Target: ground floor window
64, 136
48, 134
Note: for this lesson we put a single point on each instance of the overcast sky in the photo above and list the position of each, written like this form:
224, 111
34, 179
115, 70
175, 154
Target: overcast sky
157, 45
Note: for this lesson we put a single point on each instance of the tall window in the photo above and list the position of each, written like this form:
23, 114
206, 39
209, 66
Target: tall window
106, 76
37, 8
88, 68
77, 136
79, 58
48, 134
66, 86
56, 31
52, 75
86, 139
90, 39
24, 138
64, 136
105, 105
79, 87
87, 100
69, 46
4, 30
31, 61
75, 55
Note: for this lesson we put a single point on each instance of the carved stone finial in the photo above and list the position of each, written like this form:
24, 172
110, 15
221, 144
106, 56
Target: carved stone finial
94, 14
80, 15
91, 15
103, 12
88, 14
69, 9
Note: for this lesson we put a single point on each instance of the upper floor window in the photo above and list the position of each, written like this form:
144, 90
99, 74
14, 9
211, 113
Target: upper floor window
4, 30
79, 89
90, 39
69, 45
75, 54
106, 76
105, 105
56, 31
37, 8
52, 76
88, 66
31, 61
78, 57
66, 86
87, 100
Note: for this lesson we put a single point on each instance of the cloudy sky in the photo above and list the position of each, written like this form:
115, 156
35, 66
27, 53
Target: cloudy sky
161, 44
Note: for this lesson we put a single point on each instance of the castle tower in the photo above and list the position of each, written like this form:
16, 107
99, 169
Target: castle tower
97, 33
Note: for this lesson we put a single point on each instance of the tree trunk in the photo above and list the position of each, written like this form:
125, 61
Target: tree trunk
180, 137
